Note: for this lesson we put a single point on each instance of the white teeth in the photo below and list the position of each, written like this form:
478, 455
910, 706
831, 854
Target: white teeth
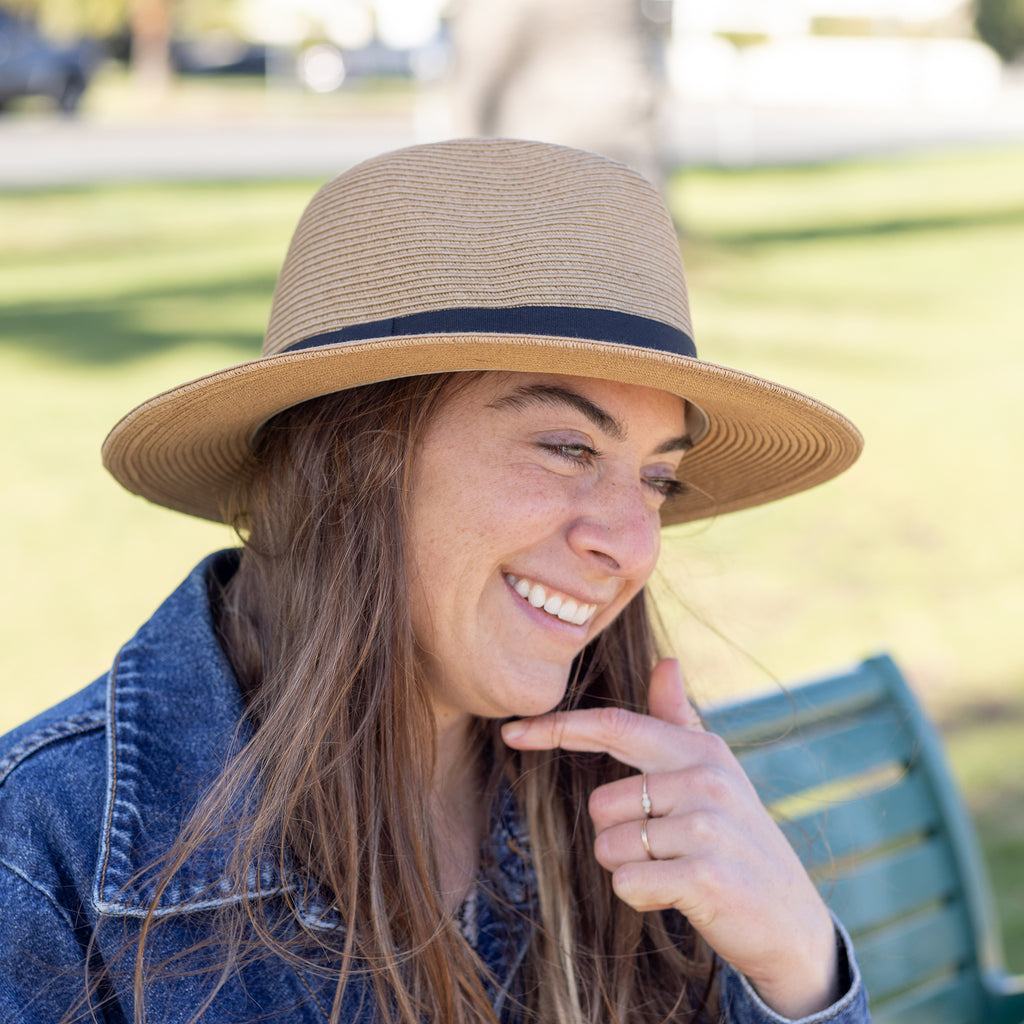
569, 611
565, 608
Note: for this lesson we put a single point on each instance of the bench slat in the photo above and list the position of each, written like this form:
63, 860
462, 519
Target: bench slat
769, 715
915, 950
952, 1000
837, 750
857, 826
894, 885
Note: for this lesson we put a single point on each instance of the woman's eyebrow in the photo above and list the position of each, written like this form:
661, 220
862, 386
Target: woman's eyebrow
557, 394
682, 443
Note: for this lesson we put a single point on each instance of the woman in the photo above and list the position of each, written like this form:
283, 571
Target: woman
411, 754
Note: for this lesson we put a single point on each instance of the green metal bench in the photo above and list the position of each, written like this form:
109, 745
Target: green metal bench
855, 773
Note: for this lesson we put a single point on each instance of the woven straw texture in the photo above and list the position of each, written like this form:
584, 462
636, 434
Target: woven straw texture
493, 224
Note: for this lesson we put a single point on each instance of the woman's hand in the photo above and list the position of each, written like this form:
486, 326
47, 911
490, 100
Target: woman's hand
718, 856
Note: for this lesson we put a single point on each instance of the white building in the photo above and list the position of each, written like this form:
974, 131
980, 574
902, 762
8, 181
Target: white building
903, 53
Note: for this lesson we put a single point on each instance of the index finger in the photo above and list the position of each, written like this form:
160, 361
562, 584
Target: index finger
640, 741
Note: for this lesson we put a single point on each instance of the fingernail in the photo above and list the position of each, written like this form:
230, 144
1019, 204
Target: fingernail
513, 730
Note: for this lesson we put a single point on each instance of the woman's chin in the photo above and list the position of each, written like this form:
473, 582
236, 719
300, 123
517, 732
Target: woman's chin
532, 700
503, 688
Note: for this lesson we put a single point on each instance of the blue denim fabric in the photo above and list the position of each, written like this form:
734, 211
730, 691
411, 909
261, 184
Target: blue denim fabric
742, 1005
93, 791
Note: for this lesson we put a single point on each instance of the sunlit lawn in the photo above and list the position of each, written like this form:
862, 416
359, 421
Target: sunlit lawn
891, 290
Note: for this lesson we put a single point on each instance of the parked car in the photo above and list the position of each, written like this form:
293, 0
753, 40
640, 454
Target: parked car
31, 65
218, 54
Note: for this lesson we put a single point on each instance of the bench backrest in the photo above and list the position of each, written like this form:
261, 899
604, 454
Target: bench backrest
856, 774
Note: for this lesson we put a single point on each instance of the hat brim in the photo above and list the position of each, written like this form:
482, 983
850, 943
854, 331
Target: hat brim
189, 448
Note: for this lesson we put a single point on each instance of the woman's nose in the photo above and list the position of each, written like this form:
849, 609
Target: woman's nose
619, 530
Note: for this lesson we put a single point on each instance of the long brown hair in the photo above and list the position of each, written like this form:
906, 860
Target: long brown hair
334, 785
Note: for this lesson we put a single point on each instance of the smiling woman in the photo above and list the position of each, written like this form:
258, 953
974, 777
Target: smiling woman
410, 753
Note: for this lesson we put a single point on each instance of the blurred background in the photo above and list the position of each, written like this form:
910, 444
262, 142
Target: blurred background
847, 177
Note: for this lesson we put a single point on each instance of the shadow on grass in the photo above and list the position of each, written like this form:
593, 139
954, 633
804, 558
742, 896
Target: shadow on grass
978, 713
834, 230
113, 329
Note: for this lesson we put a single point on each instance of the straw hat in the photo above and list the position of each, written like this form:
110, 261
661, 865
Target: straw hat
483, 254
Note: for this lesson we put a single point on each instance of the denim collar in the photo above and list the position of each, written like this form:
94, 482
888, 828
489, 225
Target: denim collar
175, 718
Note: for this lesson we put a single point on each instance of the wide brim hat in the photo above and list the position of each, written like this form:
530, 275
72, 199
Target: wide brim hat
483, 254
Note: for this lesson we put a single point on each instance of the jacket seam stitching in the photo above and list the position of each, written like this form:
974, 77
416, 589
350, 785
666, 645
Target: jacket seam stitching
102, 878
61, 911
312, 994
65, 729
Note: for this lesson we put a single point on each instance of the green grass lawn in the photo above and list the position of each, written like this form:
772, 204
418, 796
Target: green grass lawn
889, 289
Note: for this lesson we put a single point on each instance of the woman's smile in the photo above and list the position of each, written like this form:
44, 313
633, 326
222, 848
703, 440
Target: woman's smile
555, 604
534, 521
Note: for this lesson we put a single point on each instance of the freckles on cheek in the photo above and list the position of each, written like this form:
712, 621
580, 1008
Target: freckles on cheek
538, 499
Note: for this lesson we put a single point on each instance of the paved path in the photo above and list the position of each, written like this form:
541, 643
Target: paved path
40, 150
739, 135
48, 151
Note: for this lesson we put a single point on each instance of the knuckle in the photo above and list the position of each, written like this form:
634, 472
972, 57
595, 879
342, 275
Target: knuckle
701, 913
706, 877
703, 828
713, 782
616, 721
718, 750
558, 726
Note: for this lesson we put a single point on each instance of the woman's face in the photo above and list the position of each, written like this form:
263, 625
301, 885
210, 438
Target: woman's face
534, 521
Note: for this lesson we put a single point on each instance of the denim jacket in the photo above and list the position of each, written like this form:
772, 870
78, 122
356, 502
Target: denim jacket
93, 791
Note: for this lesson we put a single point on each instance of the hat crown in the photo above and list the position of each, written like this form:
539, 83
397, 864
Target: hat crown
478, 223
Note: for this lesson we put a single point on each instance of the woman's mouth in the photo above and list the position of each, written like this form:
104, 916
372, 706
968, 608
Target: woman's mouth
559, 606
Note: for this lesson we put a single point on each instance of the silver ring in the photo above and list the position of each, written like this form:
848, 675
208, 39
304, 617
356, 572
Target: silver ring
643, 839
645, 797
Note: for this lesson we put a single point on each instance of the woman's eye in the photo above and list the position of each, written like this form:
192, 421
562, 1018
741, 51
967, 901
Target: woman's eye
668, 487
576, 453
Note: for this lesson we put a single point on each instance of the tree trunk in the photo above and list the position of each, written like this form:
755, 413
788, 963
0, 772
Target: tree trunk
151, 43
